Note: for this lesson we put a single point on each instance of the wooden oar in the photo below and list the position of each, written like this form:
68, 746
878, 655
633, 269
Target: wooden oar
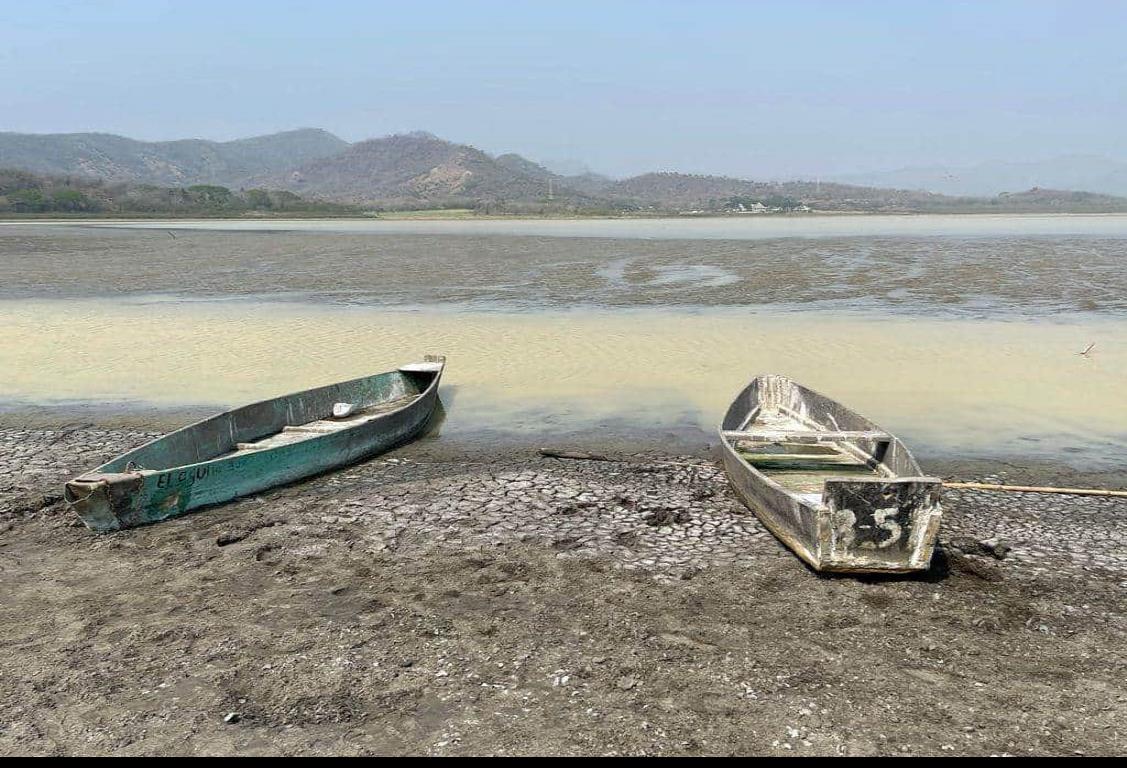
553, 453
1036, 489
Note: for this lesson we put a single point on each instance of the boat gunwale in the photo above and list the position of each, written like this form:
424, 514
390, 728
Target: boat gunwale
729, 444
92, 475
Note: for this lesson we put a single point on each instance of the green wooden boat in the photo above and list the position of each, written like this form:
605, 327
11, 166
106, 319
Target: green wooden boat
258, 446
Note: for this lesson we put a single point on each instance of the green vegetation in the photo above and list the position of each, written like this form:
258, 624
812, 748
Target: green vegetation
24, 193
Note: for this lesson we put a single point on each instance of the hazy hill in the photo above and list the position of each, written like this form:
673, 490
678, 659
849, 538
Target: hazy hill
421, 168
589, 184
409, 169
168, 163
681, 190
1048, 199
526, 167
709, 193
1087, 172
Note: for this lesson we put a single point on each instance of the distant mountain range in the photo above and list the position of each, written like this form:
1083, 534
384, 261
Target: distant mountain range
1087, 172
164, 163
419, 170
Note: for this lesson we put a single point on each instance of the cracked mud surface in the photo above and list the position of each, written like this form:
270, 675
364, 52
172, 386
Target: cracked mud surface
435, 603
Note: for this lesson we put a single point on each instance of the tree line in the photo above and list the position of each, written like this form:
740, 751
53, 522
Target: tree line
22, 192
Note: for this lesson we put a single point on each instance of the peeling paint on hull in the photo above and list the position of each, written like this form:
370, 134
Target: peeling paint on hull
206, 463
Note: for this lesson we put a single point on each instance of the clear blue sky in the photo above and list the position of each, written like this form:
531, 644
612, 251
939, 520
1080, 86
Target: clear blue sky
758, 89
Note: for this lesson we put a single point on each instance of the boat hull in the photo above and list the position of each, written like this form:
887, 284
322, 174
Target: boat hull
886, 523
118, 495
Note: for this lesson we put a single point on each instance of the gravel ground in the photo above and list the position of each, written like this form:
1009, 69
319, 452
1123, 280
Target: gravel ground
436, 602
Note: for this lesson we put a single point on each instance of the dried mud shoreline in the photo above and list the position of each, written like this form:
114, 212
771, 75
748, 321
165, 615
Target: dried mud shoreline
439, 600
1007, 275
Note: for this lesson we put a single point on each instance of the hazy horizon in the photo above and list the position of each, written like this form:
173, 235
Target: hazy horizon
812, 89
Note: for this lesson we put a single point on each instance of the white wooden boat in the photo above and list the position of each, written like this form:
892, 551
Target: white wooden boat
842, 493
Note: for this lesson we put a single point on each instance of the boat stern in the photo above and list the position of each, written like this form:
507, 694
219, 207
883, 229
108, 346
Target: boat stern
425, 375
430, 364
103, 501
879, 525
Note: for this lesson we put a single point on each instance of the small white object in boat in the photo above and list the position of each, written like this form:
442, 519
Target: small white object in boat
340, 410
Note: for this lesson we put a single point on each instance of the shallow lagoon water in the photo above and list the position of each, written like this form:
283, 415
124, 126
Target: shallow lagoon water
953, 386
